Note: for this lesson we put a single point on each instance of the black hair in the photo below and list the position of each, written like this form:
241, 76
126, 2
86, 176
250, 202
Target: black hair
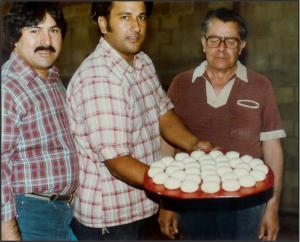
103, 8
28, 14
226, 15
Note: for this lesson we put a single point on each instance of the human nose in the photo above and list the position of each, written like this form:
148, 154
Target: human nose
222, 44
136, 25
45, 38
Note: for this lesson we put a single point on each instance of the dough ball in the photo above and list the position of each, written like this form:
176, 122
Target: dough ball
223, 163
212, 178
197, 154
210, 187
194, 177
247, 181
188, 160
154, 170
215, 153
171, 169
244, 166
262, 168
160, 178
234, 162
228, 175
159, 164
221, 158
207, 162
255, 162
258, 175
179, 164
180, 175
205, 157
208, 167
223, 169
172, 183
232, 154
181, 156
192, 164
167, 160
240, 172
189, 186
208, 172
231, 185
246, 158
192, 170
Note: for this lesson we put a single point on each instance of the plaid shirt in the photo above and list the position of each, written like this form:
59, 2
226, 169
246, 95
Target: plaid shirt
114, 111
37, 149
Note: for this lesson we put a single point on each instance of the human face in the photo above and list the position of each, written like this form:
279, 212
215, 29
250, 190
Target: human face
40, 45
222, 58
127, 24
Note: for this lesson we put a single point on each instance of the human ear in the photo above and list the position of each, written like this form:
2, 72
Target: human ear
203, 44
242, 46
102, 22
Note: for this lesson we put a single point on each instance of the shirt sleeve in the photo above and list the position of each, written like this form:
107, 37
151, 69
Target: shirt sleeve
164, 102
271, 124
9, 136
108, 117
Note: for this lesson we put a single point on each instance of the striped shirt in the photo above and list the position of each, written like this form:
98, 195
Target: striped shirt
37, 149
114, 111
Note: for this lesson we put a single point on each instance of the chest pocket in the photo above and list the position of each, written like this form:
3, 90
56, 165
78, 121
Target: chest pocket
245, 119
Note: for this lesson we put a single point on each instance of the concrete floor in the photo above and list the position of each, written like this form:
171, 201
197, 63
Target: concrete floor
289, 229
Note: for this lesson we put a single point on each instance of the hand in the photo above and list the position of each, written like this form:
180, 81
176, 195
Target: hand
168, 223
204, 145
10, 230
269, 226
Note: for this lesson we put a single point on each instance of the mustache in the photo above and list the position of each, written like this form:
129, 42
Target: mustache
45, 48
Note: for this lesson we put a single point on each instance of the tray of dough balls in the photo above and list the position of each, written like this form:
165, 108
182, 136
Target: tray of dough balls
214, 174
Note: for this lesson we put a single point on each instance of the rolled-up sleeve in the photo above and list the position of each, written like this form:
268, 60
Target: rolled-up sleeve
107, 117
271, 121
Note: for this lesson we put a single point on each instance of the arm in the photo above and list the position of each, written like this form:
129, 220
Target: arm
127, 169
273, 156
9, 136
9, 230
173, 130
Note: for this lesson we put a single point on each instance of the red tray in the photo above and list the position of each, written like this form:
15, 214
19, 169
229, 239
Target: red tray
242, 192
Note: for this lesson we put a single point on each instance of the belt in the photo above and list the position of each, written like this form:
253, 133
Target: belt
50, 197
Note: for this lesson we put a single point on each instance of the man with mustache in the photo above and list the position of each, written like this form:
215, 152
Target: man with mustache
39, 169
118, 110
241, 115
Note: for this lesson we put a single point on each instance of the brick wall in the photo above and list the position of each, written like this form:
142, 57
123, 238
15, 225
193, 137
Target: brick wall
174, 44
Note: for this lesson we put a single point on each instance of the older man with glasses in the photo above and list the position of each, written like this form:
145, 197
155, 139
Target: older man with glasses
235, 108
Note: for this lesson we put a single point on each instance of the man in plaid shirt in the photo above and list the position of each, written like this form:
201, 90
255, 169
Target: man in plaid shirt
39, 166
118, 110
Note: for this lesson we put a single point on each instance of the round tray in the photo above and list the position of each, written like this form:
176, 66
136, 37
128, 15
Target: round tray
177, 193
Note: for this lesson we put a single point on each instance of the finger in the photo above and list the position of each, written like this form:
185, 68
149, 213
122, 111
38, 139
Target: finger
262, 232
175, 226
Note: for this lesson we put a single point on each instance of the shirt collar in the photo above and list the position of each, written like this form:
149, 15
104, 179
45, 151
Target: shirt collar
24, 70
117, 58
241, 71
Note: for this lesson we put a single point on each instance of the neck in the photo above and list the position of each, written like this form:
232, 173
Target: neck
220, 77
42, 73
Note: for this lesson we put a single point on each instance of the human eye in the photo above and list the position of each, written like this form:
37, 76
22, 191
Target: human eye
124, 17
213, 39
34, 30
142, 17
55, 30
232, 42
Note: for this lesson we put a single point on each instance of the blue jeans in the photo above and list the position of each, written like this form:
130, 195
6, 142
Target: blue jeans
43, 220
221, 224
131, 231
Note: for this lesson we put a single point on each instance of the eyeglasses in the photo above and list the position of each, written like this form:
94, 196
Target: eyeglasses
215, 42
